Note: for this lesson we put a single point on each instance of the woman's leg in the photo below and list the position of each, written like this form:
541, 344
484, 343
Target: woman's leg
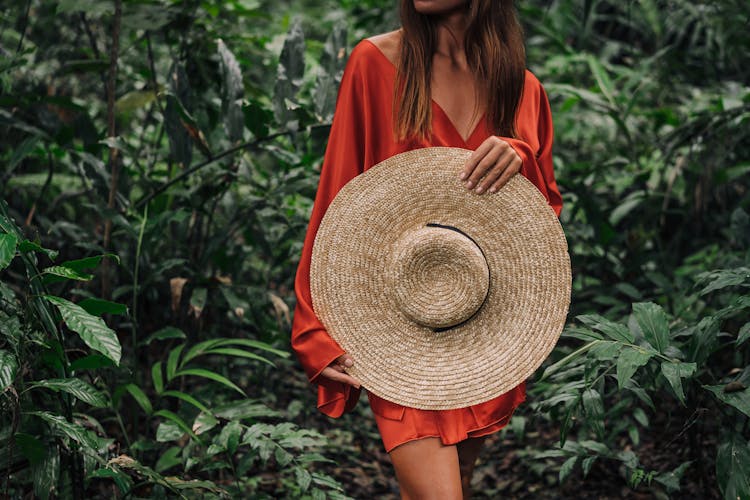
468, 451
426, 469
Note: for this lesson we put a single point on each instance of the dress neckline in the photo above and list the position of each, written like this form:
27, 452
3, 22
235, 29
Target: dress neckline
435, 104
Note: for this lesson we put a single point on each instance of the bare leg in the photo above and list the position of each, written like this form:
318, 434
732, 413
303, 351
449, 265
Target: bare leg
426, 469
468, 451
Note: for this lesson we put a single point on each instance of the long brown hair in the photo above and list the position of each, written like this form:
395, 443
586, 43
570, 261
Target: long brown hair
494, 51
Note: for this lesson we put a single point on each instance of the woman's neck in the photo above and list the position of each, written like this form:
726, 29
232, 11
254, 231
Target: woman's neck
450, 37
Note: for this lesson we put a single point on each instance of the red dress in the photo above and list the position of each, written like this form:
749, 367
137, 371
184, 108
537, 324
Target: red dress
362, 136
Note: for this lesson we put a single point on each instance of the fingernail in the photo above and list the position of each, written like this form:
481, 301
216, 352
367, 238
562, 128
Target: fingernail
493, 190
479, 190
469, 185
348, 362
462, 176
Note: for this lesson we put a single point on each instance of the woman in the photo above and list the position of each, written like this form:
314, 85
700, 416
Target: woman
453, 75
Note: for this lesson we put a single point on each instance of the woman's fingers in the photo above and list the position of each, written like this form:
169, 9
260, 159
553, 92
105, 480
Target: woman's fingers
490, 166
337, 376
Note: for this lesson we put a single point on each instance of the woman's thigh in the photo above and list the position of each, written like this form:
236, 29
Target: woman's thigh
427, 469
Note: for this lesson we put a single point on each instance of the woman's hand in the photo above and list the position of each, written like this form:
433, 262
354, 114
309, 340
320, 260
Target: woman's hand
335, 371
495, 160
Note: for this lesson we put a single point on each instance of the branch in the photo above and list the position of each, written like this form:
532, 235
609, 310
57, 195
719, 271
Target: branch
187, 173
111, 132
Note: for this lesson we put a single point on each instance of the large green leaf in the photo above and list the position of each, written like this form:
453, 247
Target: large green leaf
723, 278
201, 372
232, 92
629, 361
173, 417
732, 472
46, 473
76, 387
97, 307
739, 397
168, 332
8, 369
72, 430
654, 324
594, 408
743, 334
92, 329
187, 398
7, 249
138, 394
615, 331
68, 273
674, 373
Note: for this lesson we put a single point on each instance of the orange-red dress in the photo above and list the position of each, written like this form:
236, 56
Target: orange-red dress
362, 136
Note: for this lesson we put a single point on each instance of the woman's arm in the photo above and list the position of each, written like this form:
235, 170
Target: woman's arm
320, 355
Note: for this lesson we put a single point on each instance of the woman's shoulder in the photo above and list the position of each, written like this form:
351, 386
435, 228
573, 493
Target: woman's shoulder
378, 49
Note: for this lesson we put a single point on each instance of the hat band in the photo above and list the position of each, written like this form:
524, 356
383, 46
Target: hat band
437, 276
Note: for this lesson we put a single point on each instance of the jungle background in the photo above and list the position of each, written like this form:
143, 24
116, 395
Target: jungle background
158, 161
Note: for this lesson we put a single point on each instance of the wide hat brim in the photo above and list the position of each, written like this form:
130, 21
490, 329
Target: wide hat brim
361, 295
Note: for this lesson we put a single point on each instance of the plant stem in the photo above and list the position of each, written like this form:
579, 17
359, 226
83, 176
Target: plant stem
111, 133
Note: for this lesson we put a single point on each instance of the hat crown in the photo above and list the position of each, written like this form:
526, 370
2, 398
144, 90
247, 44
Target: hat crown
437, 276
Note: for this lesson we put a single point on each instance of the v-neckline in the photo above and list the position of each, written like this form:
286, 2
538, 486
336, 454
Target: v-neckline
435, 104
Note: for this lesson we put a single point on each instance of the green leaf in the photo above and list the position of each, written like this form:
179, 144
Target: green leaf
7, 249
732, 472
139, 396
674, 373
602, 80
587, 463
91, 362
168, 431
8, 369
302, 477
97, 307
92, 329
68, 273
172, 360
232, 92
76, 387
654, 324
743, 334
594, 408
201, 372
188, 399
628, 362
30, 447
672, 479
229, 437
245, 409
73, 431
723, 278
177, 420
739, 399
605, 350
122, 480
168, 459
46, 473
157, 377
169, 332
27, 246
615, 331
567, 468
230, 351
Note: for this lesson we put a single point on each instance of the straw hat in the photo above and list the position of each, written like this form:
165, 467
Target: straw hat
444, 298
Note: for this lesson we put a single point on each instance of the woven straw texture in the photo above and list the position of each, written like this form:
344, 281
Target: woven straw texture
444, 298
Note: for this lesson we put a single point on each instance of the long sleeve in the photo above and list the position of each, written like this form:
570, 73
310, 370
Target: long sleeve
344, 159
534, 144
